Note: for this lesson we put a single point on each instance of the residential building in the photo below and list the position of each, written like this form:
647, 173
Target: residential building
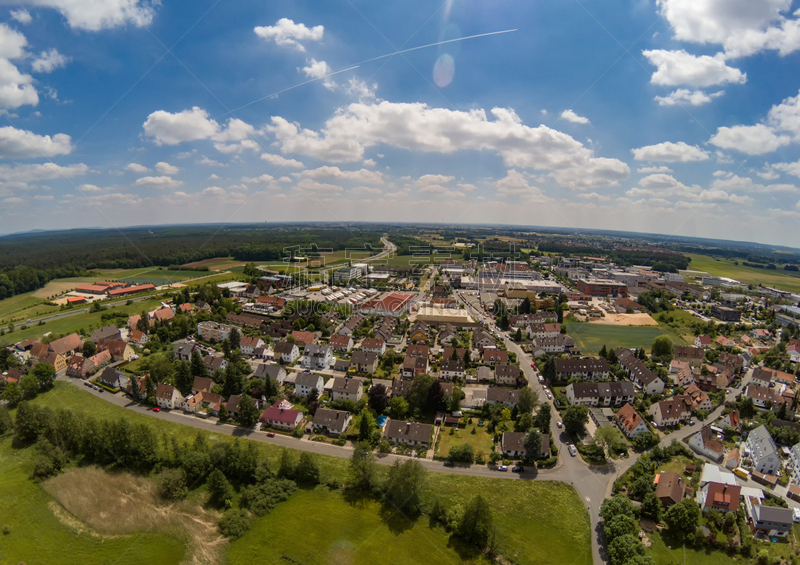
764, 397
508, 375
506, 396
412, 434
98, 360
317, 356
119, 350
630, 422
347, 274
304, 338
364, 361
638, 372
763, 452
670, 488
214, 332
66, 346
113, 378
419, 332
494, 356
699, 399
731, 420
281, 416
248, 345
214, 363
692, 355
331, 422
601, 394
183, 351
79, 367
706, 444
544, 330
720, 497
374, 345
769, 521
726, 314
304, 383
347, 388
558, 344
341, 342
274, 372
413, 366
703, 341
167, 396
138, 337
672, 411
585, 368
794, 458
106, 332
288, 351
452, 369
512, 444
418, 350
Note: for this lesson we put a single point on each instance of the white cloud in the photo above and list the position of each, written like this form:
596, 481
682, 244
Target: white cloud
44, 197
280, 161
515, 184
167, 169
158, 182
434, 179
752, 140
361, 90
319, 69
213, 176
48, 61
363, 176
285, 179
786, 116
16, 88
650, 170
319, 188
365, 191
23, 144
289, 34
571, 116
674, 68
263, 179
22, 16
43, 171
168, 128
417, 127
136, 168
595, 197
369, 162
669, 152
210, 162
228, 148
789, 168
742, 27
684, 97
214, 191
89, 188
94, 15
236, 130
736, 183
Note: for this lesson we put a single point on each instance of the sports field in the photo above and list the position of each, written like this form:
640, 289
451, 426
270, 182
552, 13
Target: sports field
785, 280
591, 337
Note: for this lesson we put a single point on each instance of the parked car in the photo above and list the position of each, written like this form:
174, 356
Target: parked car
573, 450
448, 463
559, 424
517, 469
270, 434
156, 409
502, 468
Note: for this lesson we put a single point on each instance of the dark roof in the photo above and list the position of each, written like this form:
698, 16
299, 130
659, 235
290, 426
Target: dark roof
346, 385
114, 378
202, 383
581, 365
334, 420
414, 431
507, 371
509, 395
272, 371
283, 347
583, 390
307, 379
670, 487
451, 365
363, 357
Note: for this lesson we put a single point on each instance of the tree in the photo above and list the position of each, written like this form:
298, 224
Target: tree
198, 368
476, 524
234, 523
362, 467
366, 426
624, 548
682, 518
307, 469
620, 525
183, 378
29, 386
615, 506
436, 400
607, 438
172, 484
518, 335
533, 445
89, 348
219, 489
651, 507
286, 467
603, 352
404, 486
248, 413
662, 348
528, 400
378, 398
235, 339
455, 400
45, 374
575, 419
12, 393
549, 370
398, 408
223, 414
462, 453
543, 418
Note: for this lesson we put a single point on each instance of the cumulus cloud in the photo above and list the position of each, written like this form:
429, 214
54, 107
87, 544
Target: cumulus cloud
434, 179
42, 171
162, 182
669, 152
365, 191
684, 97
418, 127
89, 188
360, 90
22, 15
735, 183
136, 168
245, 144
286, 33
48, 61
594, 196
94, 15
319, 69
789, 168
166, 128
280, 161
675, 68
318, 188
752, 140
363, 176
167, 169
263, 179
210, 162
23, 144
515, 184
214, 191
571, 116
742, 27
786, 116
650, 170
16, 88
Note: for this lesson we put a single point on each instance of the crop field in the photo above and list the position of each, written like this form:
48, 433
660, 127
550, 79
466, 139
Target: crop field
778, 278
162, 277
537, 521
591, 337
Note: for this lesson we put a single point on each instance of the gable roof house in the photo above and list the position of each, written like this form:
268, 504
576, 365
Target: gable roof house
731, 420
509, 375
492, 356
202, 384
587, 368
374, 345
447, 334
409, 433
544, 330
331, 422
512, 444
347, 388
341, 342
672, 411
630, 422
317, 356
419, 332
601, 394
413, 366
669, 488
79, 366
106, 332
364, 361
719, 497
139, 337
247, 344
274, 372
165, 315
183, 351
638, 372
304, 338
506, 396
452, 369
558, 344
705, 443
113, 378
213, 363
66, 346
769, 521
288, 352
167, 396
482, 339
282, 416
703, 341
418, 350
304, 383
699, 399
692, 355
119, 350
98, 360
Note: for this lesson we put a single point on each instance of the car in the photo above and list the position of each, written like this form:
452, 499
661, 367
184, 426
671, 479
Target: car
691, 422
156, 409
87, 383
573, 451
270, 434
533, 365
448, 463
100, 389
518, 469
559, 424
502, 468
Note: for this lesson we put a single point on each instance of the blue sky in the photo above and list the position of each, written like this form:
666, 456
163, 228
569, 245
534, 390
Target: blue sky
666, 116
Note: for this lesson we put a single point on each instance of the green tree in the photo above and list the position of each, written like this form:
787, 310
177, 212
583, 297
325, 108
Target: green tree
662, 348
223, 414
378, 398
198, 368
220, 490
682, 518
235, 339
607, 438
524, 423
476, 525
29, 386
45, 374
172, 484
248, 413
362, 467
620, 525
617, 505
575, 419
404, 486
183, 378
533, 445
624, 548
528, 400
398, 408
89, 348
12, 394
462, 453
286, 468
234, 523
307, 471
543, 418
366, 426
651, 507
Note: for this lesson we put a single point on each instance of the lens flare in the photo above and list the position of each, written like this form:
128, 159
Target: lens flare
443, 70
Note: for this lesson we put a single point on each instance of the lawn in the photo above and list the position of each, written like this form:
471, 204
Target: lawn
591, 337
38, 537
537, 521
779, 278
480, 441
21, 307
663, 555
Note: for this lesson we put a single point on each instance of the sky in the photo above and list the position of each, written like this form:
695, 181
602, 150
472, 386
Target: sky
679, 117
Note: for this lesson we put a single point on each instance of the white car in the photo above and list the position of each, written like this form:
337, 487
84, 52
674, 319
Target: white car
503, 468
573, 450
559, 424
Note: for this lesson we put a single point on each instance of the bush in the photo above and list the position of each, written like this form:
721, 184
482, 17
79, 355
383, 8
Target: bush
234, 523
462, 453
262, 498
172, 484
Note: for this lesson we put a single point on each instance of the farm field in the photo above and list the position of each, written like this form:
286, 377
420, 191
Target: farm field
22, 306
40, 536
217, 263
591, 337
537, 521
779, 278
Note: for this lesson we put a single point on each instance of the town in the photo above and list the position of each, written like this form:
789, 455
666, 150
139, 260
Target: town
488, 367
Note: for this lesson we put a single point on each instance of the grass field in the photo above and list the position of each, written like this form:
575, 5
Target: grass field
663, 555
537, 521
591, 337
40, 535
481, 441
779, 278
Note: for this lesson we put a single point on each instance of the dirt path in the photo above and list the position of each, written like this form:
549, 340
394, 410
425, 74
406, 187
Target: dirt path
625, 320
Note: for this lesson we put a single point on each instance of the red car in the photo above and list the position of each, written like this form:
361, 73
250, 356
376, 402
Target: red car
270, 434
156, 409
533, 365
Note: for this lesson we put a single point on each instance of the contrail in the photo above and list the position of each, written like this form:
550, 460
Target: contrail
392, 54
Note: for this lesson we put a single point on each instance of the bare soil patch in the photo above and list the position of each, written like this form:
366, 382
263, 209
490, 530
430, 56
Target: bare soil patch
112, 504
625, 320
